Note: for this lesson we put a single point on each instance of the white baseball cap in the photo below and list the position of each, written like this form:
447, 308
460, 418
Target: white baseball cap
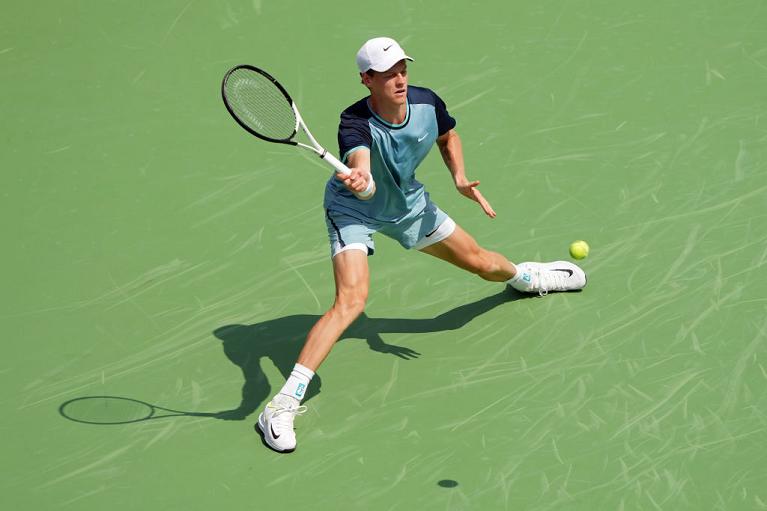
380, 54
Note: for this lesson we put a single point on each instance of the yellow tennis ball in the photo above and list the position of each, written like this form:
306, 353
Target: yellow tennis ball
579, 249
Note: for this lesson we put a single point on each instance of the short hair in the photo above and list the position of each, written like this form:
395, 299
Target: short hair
370, 73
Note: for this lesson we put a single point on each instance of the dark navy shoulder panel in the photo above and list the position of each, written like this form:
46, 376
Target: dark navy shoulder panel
422, 95
354, 128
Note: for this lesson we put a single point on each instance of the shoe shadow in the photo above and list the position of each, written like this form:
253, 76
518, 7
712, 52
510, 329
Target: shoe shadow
281, 339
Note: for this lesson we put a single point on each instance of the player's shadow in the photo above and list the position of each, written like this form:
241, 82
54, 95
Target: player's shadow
281, 340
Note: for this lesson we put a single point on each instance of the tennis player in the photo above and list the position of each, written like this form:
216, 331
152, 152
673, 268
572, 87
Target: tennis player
387, 135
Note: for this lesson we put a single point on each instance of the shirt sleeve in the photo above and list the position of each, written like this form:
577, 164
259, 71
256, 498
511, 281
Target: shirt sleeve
353, 133
445, 122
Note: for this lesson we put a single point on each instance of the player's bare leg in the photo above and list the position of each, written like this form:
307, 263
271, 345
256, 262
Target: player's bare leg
463, 251
352, 277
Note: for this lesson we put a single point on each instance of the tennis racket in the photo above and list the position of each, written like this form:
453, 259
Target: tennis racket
261, 105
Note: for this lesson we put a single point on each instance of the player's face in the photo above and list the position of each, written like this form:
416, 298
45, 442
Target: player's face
390, 85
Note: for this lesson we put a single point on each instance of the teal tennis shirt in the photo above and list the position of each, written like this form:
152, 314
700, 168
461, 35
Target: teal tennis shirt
396, 150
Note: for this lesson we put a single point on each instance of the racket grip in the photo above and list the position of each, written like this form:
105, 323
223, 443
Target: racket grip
343, 169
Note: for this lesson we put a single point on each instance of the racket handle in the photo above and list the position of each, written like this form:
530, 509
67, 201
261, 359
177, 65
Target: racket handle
343, 169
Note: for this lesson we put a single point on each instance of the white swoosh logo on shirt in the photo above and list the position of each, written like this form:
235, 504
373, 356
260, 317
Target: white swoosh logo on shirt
423, 137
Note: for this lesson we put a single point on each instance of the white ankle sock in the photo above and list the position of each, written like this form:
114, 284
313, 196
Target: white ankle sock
516, 273
522, 280
297, 383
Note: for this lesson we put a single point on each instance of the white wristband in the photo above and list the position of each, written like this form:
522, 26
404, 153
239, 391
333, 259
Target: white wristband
369, 191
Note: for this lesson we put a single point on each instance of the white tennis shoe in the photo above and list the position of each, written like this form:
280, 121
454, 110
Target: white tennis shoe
543, 278
276, 422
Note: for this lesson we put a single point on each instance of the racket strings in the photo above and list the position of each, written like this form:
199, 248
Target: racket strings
257, 102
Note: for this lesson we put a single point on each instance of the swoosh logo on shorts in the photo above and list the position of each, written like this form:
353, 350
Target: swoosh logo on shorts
424, 136
432, 232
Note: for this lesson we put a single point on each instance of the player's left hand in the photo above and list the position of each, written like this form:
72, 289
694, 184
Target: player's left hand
469, 189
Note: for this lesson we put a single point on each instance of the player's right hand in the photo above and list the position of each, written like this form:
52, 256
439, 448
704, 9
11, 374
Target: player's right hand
357, 181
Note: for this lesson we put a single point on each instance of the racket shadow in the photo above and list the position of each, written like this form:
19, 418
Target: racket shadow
280, 340
116, 410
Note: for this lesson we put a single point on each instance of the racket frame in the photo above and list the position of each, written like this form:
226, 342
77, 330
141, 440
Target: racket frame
315, 146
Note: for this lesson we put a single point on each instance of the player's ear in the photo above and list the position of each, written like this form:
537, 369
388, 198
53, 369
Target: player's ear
366, 78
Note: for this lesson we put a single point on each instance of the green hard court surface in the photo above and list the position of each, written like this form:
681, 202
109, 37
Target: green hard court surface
155, 252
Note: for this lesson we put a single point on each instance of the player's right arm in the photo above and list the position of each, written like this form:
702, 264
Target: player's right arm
354, 143
359, 163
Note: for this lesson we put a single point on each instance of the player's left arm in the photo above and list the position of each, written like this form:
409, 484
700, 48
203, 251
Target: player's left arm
449, 144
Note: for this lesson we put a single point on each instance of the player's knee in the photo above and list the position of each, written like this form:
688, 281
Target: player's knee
351, 309
351, 304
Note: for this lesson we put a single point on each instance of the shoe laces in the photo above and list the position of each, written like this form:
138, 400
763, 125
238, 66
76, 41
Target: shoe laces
550, 280
283, 415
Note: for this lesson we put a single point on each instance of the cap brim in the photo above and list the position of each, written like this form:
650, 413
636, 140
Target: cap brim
390, 63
